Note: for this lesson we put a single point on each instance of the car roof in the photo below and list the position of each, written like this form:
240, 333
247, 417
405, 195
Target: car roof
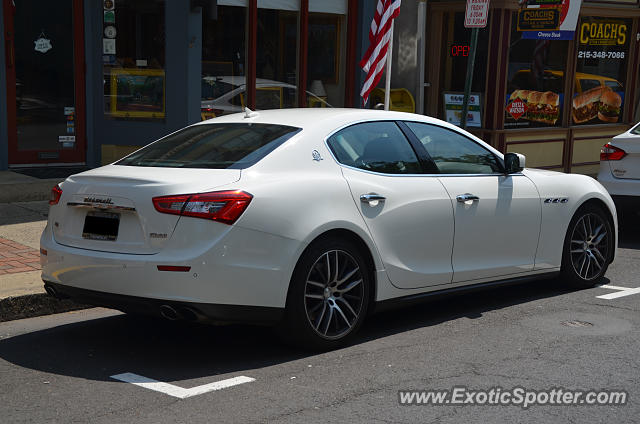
327, 118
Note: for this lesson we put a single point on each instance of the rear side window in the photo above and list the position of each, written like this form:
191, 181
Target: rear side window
636, 130
375, 146
213, 146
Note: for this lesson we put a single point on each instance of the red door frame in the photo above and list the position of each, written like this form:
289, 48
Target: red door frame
76, 155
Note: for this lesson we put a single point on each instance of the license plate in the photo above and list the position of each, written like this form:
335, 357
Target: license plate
101, 226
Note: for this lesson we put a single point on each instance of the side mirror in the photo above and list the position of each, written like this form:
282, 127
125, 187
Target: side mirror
513, 163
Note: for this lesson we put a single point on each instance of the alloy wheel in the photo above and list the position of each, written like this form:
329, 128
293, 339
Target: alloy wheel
590, 244
334, 294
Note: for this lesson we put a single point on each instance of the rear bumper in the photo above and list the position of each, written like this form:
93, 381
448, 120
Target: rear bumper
190, 311
618, 187
242, 267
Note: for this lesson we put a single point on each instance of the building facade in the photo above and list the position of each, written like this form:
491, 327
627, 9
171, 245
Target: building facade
88, 81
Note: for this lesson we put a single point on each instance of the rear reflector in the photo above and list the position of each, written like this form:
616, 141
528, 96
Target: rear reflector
221, 206
609, 152
174, 268
54, 197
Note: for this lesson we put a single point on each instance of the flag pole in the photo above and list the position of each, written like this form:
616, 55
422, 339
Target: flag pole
387, 86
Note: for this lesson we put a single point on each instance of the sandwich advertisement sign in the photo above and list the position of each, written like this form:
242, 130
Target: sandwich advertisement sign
600, 104
567, 12
603, 50
527, 106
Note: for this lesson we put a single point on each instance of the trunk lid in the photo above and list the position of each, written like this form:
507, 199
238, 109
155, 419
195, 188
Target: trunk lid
110, 208
629, 166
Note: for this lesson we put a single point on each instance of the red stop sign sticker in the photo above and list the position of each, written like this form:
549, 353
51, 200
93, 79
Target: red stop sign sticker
517, 108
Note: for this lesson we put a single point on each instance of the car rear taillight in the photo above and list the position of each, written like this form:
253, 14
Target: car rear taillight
609, 152
221, 206
54, 197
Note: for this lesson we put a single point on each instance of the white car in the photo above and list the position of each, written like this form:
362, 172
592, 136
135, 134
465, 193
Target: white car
227, 94
620, 173
312, 218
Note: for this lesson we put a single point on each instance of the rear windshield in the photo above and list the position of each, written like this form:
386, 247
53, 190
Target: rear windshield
214, 146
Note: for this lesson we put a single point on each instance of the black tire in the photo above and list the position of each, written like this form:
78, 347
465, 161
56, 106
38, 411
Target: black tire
588, 247
314, 314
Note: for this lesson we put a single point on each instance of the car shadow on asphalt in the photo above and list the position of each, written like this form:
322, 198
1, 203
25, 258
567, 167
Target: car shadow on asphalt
629, 235
95, 349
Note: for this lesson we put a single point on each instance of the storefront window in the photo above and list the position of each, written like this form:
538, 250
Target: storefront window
535, 88
277, 54
223, 60
456, 43
601, 71
133, 48
327, 41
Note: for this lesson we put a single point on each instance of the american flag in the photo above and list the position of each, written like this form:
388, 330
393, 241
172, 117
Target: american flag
376, 56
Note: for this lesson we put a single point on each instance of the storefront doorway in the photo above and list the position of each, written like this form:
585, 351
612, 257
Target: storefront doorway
45, 82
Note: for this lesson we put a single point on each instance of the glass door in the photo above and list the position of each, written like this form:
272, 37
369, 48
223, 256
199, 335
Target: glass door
45, 81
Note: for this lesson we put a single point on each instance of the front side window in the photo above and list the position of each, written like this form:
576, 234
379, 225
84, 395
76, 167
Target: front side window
375, 146
213, 146
454, 153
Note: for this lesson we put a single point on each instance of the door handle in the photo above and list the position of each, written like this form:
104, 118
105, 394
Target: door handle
466, 197
372, 198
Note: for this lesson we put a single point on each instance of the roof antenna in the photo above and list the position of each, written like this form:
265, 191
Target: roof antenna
248, 113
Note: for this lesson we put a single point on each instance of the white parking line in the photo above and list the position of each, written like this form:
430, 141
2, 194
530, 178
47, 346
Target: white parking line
179, 392
622, 291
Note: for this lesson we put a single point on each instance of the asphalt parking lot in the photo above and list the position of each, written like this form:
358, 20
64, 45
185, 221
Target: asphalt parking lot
70, 367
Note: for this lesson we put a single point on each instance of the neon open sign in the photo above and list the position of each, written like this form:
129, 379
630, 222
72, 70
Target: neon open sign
459, 50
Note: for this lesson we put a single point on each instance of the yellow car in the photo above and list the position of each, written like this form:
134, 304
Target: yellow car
553, 81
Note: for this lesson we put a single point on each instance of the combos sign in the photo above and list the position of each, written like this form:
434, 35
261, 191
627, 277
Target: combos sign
542, 24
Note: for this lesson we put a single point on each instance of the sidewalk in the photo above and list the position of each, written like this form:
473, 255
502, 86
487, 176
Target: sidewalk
21, 223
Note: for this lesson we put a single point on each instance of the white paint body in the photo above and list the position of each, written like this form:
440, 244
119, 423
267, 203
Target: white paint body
622, 177
421, 239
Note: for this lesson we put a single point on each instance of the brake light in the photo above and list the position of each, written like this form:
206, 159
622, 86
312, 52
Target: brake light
221, 206
54, 197
609, 152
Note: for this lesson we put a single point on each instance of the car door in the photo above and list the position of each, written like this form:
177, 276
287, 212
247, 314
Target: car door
497, 216
408, 213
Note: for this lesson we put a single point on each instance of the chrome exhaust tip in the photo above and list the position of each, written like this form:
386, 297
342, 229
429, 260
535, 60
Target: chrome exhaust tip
168, 312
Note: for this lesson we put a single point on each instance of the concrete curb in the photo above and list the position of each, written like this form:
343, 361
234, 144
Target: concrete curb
34, 305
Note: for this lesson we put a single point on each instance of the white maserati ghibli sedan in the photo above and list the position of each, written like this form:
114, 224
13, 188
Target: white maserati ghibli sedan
311, 219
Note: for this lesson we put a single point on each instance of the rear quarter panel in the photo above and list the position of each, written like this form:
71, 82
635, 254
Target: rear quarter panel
297, 197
